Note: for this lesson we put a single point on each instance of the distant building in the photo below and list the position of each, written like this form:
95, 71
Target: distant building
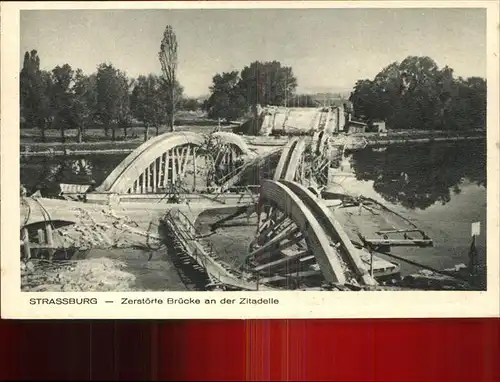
379, 126
355, 127
337, 119
348, 108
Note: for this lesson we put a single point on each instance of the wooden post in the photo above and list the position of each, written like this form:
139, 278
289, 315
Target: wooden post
48, 234
41, 241
41, 236
475, 231
50, 239
473, 254
26, 244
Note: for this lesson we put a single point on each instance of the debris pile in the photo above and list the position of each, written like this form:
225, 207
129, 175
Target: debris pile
90, 275
428, 280
112, 232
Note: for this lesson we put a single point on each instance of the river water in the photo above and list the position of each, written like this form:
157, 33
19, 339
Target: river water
440, 186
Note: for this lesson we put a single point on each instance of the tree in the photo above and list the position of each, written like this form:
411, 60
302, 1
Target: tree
366, 101
35, 87
416, 94
146, 104
61, 97
112, 88
85, 102
260, 83
173, 96
190, 104
302, 100
149, 101
267, 83
469, 104
226, 100
169, 61
124, 119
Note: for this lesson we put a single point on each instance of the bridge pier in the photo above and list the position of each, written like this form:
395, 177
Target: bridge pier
26, 244
49, 240
44, 242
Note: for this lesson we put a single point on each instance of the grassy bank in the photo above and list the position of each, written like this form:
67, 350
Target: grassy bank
58, 147
95, 135
96, 140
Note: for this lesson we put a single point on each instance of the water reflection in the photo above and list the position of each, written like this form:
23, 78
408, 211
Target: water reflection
418, 176
415, 176
440, 187
46, 173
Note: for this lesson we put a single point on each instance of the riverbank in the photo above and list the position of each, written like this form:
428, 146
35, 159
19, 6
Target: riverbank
417, 136
380, 141
353, 142
103, 145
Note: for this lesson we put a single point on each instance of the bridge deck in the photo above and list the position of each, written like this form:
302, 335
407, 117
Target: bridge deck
141, 208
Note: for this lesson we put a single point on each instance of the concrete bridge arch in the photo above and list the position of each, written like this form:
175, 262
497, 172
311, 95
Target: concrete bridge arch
164, 159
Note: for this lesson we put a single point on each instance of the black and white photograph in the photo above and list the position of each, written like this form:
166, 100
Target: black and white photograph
253, 149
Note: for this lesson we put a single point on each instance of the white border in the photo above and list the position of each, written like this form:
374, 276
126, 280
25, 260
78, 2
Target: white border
15, 304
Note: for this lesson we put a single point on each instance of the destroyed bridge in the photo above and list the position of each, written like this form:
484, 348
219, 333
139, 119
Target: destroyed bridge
154, 196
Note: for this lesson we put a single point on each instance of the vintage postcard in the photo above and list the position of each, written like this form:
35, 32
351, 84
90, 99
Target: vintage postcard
249, 159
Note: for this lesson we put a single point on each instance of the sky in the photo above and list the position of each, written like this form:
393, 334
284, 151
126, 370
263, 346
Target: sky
328, 49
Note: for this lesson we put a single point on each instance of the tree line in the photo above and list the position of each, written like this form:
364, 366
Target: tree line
65, 98
416, 94
413, 94
233, 94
